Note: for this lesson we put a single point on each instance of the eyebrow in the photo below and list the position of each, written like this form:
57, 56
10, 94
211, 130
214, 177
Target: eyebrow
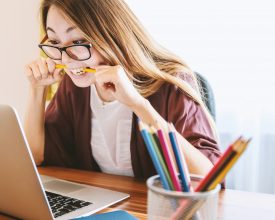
67, 31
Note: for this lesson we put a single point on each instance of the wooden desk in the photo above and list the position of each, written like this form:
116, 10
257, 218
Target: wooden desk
233, 205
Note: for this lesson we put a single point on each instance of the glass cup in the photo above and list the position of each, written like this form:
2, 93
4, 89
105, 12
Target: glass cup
164, 204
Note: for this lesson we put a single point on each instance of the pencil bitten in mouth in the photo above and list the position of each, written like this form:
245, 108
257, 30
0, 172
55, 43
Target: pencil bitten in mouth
77, 71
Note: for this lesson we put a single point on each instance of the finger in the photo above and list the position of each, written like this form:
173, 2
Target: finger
51, 65
109, 86
102, 69
29, 74
43, 67
93, 79
105, 76
35, 70
57, 75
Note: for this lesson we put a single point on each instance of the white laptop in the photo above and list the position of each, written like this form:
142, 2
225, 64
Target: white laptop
26, 195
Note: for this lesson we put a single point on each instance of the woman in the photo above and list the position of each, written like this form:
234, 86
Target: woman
91, 123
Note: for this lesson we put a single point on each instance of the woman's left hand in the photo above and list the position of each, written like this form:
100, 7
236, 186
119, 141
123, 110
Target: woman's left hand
114, 80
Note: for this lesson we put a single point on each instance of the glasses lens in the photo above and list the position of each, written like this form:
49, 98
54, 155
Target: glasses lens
52, 52
78, 52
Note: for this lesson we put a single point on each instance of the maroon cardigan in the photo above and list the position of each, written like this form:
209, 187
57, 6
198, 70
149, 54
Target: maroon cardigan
68, 128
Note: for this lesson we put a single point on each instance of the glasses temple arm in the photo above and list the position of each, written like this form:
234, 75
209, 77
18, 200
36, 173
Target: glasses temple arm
44, 39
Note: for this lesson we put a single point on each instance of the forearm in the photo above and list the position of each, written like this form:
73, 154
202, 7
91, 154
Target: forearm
34, 122
196, 161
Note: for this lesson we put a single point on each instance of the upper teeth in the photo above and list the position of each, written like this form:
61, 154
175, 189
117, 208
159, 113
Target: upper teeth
78, 71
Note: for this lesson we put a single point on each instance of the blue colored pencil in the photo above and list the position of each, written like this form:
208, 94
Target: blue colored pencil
153, 155
179, 160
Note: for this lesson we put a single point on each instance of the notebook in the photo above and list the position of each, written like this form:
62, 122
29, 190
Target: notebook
26, 195
115, 215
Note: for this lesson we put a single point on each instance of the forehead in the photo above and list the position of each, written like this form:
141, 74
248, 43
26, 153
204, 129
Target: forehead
57, 21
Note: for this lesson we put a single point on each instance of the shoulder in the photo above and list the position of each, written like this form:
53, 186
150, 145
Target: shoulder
169, 90
170, 100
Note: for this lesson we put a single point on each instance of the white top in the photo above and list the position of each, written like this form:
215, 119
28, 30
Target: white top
111, 135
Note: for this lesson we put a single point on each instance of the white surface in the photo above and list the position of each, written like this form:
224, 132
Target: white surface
232, 44
19, 36
111, 135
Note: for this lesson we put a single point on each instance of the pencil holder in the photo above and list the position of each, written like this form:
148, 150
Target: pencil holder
173, 205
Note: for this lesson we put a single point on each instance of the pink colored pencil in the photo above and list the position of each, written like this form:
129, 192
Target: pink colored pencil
168, 158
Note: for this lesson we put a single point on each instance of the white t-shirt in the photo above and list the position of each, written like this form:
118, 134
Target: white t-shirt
111, 135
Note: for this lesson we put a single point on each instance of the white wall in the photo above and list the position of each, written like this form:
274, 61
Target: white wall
232, 43
217, 38
19, 36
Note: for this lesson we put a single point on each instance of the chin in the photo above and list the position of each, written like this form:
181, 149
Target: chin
82, 84
82, 81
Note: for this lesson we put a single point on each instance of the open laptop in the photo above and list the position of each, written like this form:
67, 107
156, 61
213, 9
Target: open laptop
26, 195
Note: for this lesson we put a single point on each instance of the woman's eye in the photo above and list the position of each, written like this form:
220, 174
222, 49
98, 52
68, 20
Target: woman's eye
79, 41
53, 42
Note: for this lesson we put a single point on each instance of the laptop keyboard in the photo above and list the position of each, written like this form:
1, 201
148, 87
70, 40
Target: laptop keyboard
62, 205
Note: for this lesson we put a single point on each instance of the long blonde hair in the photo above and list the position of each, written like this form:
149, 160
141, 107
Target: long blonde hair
120, 38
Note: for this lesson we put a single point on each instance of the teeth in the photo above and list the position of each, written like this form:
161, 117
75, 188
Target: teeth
78, 71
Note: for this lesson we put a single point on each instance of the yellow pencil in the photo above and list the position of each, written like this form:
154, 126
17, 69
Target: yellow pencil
88, 70
241, 148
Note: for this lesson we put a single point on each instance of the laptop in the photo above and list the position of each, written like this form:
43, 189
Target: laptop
27, 195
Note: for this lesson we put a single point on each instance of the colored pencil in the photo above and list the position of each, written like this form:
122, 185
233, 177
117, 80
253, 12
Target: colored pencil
188, 210
240, 149
206, 182
153, 155
222, 167
185, 167
168, 158
161, 160
180, 160
156, 138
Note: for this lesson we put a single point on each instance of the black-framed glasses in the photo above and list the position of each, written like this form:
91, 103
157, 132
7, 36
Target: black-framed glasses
78, 52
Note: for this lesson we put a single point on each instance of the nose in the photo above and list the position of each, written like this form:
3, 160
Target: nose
64, 57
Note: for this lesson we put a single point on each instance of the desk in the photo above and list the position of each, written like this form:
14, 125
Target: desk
233, 204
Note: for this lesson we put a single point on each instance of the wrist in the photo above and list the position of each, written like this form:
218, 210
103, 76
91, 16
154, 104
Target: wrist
147, 113
38, 94
139, 105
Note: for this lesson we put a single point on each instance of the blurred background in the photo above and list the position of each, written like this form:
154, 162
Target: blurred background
231, 43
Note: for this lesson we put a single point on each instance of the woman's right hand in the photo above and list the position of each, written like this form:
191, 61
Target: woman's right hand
42, 73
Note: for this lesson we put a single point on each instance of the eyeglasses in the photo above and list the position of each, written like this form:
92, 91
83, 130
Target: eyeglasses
78, 52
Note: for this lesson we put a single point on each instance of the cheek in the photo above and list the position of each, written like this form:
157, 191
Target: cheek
92, 62
95, 60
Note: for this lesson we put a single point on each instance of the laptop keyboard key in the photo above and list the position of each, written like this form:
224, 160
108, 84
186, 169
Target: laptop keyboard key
61, 205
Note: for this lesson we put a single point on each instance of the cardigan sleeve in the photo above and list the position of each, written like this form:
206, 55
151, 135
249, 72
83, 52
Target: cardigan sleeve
59, 141
191, 121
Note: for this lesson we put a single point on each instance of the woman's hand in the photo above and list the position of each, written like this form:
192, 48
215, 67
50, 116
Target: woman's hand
114, 81
42, 73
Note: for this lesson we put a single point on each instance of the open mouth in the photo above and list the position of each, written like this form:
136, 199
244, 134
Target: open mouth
77, 71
